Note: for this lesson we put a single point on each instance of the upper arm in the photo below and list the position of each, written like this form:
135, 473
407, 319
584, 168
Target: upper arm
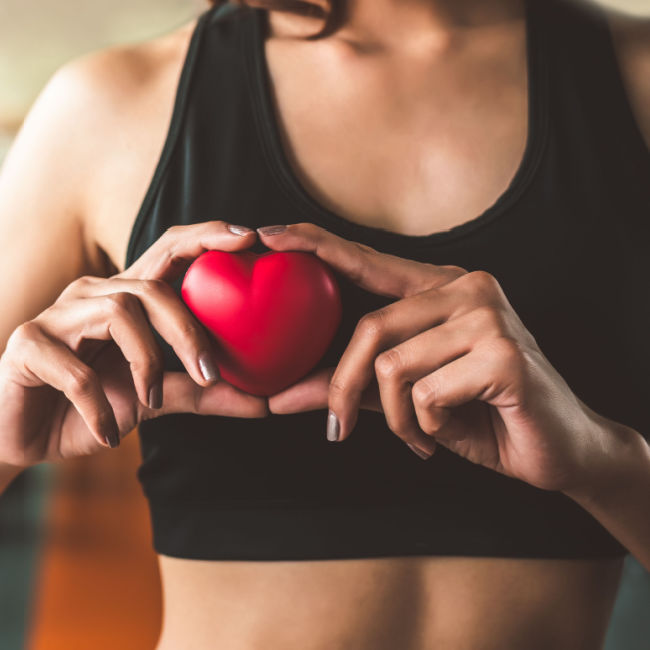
41, 228
81, 148
632, 43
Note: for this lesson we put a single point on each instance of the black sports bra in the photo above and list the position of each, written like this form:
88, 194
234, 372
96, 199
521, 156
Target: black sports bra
568, 241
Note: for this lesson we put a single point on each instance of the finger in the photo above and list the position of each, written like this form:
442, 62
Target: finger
174, 251
492, 372
392, 326
469, 422
311, 393
172, 320
399, 367
182, 395
380, 273
401, 419
43, 361
118, 317
475, 293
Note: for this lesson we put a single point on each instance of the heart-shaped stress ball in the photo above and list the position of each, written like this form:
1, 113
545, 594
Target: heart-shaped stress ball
273, 314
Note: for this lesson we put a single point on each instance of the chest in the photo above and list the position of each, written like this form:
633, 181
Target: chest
412, 146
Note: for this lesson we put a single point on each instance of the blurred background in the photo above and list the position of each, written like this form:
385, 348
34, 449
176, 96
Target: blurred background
77, 569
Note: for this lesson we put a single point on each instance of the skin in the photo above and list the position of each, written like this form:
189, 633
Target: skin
78, 325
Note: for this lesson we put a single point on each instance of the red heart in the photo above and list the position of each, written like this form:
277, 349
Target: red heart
274, 315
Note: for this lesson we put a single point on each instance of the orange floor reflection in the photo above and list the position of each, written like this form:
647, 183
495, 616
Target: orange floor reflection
98, 580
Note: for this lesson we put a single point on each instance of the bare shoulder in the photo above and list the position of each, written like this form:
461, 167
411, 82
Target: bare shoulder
72, 181
632, 42
122, 75
115, 106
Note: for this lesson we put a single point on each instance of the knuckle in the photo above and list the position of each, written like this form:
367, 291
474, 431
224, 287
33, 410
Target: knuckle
336, 388
81, 381
206, 227
82, 281
173, 231
423, 392
453, 270
483, 285
389, 363
78, 285
434, 273
22, 338
117, 304
356, 269
509, 362
305, 228
26, 331
373, 325
508, 352
155, 287
364, 248
488, 320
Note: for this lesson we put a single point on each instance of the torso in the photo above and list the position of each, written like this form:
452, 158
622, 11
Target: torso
415, 603
409, 182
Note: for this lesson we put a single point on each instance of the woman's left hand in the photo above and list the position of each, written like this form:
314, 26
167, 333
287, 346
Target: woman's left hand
448, 362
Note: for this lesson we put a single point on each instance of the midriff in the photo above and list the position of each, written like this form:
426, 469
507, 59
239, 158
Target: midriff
395, 603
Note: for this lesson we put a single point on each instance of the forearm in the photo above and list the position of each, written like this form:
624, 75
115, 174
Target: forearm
7, 474
619, 497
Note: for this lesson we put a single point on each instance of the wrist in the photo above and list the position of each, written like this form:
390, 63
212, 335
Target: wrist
620, 456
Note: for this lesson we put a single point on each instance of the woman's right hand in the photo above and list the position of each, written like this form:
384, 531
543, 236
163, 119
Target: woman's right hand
87, 370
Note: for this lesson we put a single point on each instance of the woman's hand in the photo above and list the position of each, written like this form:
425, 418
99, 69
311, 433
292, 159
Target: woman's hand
86, 370
448, 362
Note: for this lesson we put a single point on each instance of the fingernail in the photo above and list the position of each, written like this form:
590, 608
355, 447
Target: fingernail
239, 230
271, 230
112, 438
422, 454
155, 395
333, 426
208, 368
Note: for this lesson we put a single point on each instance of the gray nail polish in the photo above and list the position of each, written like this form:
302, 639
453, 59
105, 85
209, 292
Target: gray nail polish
333, 426
271, 230
422, 454
112, 437
155, 395
208, 368
239, 230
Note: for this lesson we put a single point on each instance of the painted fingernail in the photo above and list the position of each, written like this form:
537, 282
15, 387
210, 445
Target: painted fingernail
155, 395
208, 368
421, 453
239, 230
271, 230
333, 426
112, 437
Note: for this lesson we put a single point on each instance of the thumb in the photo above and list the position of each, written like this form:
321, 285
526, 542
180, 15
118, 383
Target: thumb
311, 393
181, 394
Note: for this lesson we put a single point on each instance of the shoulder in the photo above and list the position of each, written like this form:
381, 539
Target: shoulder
88, 97
631, 37
97, 129
89, 90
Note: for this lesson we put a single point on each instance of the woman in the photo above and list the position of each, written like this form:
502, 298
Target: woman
513, 344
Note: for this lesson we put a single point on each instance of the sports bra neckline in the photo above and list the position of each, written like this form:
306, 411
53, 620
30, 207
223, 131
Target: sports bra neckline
259, 82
